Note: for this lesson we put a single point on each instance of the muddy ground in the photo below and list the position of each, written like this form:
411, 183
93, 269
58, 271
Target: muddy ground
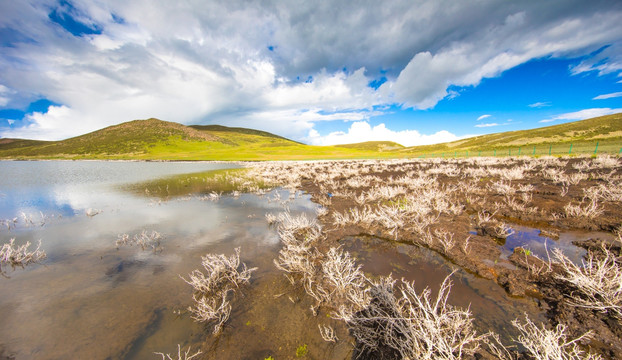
539, 200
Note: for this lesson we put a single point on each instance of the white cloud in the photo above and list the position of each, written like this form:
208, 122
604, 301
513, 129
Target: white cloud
362, 131
483, 117
608, 96
539, 104
426, 78
486, 125
4, 95
606, 60
240, 63
583, 114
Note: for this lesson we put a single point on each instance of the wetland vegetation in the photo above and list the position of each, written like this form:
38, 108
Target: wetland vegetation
512, 258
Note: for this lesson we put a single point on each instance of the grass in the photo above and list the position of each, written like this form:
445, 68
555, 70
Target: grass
207, 182
302, 351
155, 139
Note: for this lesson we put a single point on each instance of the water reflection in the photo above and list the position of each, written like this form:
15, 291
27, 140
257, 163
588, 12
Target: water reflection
541, 245
71, 187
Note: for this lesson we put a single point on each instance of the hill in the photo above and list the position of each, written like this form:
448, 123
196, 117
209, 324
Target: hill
606, 131
235, 132
154, 139
373, 146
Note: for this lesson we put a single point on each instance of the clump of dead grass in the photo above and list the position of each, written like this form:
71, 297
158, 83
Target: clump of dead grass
223, 276
19, 255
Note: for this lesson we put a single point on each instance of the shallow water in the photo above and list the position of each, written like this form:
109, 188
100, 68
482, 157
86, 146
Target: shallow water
91, 300
488, 303
541, 245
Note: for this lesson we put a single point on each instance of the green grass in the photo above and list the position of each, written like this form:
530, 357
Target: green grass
154, 139
373, 146
219, 181
302, 351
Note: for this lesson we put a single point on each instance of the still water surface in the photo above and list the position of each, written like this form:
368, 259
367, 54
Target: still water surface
91, 300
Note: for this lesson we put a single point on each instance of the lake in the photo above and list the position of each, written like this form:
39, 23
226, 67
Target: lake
90, 299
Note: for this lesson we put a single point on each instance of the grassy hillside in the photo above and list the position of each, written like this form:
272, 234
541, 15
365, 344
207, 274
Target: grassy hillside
235, 134
155, 139
373, 146
582, 135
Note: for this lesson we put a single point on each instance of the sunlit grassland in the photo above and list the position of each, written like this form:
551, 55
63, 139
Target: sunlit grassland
154, 139
597, 135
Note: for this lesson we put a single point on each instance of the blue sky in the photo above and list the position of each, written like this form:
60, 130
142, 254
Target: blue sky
415, 72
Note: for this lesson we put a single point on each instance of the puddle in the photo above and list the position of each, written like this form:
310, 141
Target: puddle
538, 243
489, 304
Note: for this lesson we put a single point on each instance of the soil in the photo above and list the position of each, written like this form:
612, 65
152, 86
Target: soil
544, 205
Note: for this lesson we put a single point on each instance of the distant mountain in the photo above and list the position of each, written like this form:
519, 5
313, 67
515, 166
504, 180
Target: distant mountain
155, 139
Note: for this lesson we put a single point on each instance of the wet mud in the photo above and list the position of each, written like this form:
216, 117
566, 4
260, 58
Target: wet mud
539, 221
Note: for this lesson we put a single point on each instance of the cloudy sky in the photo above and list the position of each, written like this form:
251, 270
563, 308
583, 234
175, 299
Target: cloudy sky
411, 71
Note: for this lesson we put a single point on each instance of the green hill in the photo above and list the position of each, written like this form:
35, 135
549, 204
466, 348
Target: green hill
234, 134
373, 146
155, 139
606, 131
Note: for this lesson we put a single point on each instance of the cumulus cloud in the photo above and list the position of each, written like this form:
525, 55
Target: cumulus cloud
275, 65
483, 117
362, 131
583, 114
608, 96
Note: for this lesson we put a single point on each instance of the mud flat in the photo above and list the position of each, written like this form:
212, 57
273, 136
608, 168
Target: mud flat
512, 221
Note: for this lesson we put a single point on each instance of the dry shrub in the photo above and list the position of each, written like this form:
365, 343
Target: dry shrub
598, 281
417, 326
15, 256
144, 239
545, 344
180, 356
211, 291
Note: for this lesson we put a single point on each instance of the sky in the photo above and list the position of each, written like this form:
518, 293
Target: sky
320, 72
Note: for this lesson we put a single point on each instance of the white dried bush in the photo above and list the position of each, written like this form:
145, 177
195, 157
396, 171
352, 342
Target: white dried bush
343, 278
513, 174
180, 356
327, 333
19, 256
8, 223
598, 281
446, 239
606, 161
545, 344
211, 290
585, 209
144, 239
297, 260
293, 223
415, 325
